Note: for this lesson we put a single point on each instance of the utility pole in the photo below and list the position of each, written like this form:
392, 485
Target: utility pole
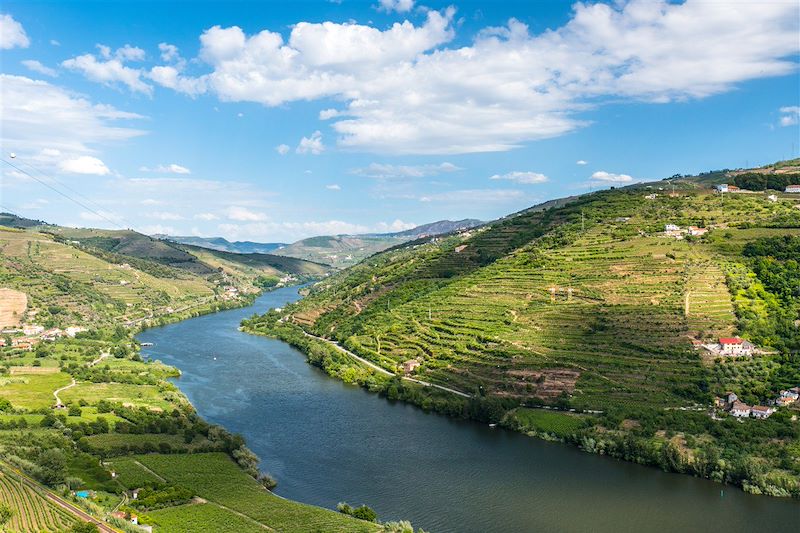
583, 225
429, 313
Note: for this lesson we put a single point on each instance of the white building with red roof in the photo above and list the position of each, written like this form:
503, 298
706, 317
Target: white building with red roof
735, 346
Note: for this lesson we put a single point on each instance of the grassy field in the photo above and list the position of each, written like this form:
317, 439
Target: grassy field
33, 391
561, 425
204, 517
32, 512
215, 478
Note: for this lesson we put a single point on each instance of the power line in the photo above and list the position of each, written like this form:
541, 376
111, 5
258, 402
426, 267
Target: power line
67, 187
68, 197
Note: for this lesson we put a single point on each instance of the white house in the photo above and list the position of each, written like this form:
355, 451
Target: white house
734, 346
760, 411
740, 410
792, 188
697, 232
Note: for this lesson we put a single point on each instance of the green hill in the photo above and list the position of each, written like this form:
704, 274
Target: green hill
585, 304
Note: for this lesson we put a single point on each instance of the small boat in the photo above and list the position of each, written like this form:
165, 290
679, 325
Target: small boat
146, 344
215, 358
492, 426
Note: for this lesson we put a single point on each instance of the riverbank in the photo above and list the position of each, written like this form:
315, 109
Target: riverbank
590, 432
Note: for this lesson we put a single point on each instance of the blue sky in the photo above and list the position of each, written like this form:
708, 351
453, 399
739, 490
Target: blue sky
274, 121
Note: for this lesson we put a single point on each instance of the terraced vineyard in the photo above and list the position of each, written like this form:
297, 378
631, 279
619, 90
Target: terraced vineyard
583, 305
32, 512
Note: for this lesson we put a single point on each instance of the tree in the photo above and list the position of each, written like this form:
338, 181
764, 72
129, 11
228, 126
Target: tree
52, 467
84, 527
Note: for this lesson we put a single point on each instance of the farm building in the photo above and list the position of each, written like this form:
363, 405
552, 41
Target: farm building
722, 187
410, 365
733, 346
32, 329
697, 232
740, 410
760, 411
792, 188
672, 230
788, 397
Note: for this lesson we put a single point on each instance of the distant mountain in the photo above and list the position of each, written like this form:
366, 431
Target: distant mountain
437, 228
224, 245
342, 251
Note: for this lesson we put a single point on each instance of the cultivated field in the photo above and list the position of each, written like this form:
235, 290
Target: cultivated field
12, 307
32, 512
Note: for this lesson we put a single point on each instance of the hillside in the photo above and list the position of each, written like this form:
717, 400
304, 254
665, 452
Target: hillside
342, 251
224, 245
72, 275
585, 304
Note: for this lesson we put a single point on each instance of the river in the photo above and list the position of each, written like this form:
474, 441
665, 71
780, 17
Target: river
327, 442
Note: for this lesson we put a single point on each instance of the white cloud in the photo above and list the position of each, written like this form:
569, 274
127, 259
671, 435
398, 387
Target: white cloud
158, 229
387, 171
790, 115
169, 52
243, 214
38, 203
35, 66
99, 216
333, 187
39, 115
84, 164
283, 149
151, 201
110, 70
54, 42
172, 168
206, 216
581, 162
311, 145
171, 78
393, 227
12, 34
403, 91
291, 231
526, 178
471, 196
609, 177
400, 6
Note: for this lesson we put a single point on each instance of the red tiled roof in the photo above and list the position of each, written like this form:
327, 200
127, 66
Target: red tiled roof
730, 340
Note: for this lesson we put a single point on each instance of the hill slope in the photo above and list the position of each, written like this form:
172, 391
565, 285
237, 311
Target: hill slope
581, 304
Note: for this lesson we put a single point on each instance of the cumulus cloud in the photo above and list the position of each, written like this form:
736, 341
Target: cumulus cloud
610, 177
333, 187
172, 168
169, 52
790, 115
400, 6
206, 216
12, 34
283, 149
581, 162
311, 145
526, 178
387, 171
243, 214
84, 164
110, 69
36, 66
404, 91
393, 227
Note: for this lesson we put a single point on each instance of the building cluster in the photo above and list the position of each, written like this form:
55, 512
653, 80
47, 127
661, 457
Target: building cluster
677, 232
724, 187
736, 408
33, 334
731, 347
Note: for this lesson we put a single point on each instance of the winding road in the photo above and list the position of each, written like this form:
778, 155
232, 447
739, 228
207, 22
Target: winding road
383, 370
62, 389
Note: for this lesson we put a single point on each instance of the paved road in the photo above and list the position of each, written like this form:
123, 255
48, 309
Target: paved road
383, 370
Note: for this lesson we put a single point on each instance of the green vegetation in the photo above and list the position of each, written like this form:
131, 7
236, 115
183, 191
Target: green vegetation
24, 509
584, 304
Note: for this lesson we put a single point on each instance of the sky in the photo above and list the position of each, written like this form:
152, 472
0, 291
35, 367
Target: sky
275, 121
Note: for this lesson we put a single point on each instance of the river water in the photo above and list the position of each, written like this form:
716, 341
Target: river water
327, 442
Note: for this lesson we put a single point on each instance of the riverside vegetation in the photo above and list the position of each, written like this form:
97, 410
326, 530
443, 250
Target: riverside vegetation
83, 414
575, 321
